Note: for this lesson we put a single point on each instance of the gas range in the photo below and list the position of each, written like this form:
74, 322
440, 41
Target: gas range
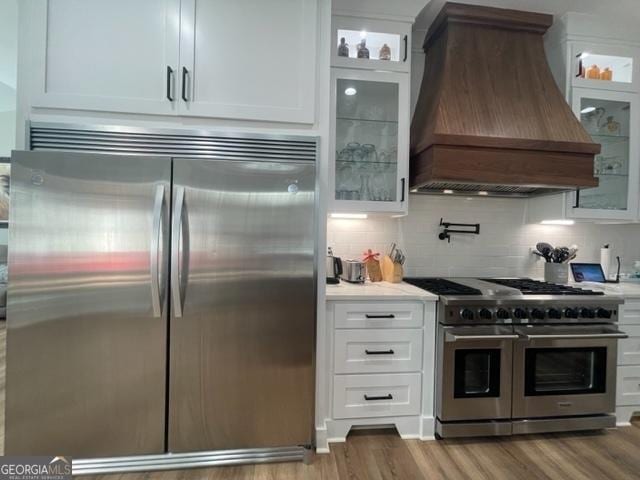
517, 300
517, 356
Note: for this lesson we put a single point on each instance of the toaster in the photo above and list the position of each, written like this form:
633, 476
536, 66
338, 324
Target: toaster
353, 271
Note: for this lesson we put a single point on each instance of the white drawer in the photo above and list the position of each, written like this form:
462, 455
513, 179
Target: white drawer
356, 396
378, 315
629, 348
630, 312
628, 386
378, 351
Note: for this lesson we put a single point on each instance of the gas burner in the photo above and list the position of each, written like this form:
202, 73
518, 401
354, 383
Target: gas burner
535, 287
440, 286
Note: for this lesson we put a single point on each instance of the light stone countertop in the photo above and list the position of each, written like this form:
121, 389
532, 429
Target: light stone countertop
378, 291
626, 289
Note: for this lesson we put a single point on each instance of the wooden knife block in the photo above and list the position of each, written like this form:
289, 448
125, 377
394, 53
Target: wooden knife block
391, 272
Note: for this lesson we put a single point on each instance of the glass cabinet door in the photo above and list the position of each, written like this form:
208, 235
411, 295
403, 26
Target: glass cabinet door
371, 147
609, 118
372, 44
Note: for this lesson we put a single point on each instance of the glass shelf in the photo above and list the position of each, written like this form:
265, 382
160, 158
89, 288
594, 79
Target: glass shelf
347, 119
359, 162
608, 139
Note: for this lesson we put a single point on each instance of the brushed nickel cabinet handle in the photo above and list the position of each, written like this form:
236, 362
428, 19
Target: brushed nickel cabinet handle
154, 251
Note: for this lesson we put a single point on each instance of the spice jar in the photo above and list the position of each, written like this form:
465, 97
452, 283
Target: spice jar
593, 72
606, 74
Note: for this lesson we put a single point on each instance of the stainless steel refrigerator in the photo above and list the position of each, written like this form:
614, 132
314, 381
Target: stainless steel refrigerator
159, 304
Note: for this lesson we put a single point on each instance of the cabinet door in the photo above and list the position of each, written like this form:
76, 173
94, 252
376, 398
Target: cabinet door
387, 44
370, 139
248, 60
611, 118
109, 56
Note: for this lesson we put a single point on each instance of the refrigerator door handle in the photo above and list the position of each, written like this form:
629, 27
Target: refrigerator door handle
154, 251
176, 232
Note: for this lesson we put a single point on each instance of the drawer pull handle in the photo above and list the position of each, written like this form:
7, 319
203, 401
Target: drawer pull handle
565, 404
387, 315
379, 352
378, 397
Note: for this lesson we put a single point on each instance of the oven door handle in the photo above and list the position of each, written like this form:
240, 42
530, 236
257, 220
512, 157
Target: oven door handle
450, 337
576, 336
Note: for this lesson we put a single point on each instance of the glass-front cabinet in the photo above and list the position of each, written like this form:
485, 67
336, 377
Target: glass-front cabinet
370, 141
604, 67
371, 44
609, 117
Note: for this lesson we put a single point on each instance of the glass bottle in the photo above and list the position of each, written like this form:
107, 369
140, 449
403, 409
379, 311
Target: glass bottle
363, 51
385, 52
343, 48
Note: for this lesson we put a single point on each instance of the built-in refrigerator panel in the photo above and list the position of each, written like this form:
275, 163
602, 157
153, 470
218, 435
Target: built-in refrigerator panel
243, 318
87, 301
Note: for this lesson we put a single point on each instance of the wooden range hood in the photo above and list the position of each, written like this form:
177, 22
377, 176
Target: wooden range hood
490, 117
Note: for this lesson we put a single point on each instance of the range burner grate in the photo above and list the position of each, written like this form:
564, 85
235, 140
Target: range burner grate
535, 287
440, 286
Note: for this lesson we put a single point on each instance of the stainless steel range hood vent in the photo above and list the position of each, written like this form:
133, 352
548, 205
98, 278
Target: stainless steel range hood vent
483, 190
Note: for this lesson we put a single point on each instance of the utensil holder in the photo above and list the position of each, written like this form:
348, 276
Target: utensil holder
556, 272
391, 272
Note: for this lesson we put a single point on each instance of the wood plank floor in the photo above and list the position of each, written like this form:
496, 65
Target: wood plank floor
382, 455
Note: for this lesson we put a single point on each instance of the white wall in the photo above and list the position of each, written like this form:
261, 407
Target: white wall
8, 66
501, 249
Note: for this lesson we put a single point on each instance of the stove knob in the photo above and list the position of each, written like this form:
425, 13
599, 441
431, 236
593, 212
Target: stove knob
571, 313
486, 314
520, 313
604, 313
554, 313
466, 314
503, 314
537, 313
588, 313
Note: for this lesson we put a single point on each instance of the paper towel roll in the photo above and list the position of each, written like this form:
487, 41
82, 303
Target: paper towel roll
605, 261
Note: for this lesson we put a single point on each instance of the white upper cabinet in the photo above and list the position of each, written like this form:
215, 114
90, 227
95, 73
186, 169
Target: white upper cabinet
370, 141
249, 60
238, 59
600, 77
609, 117
109, 56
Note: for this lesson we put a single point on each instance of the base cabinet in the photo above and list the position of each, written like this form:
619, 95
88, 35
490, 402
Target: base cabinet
628, 378
378, 369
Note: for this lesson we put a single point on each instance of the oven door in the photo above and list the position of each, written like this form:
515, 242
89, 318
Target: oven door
474, 373
565, 370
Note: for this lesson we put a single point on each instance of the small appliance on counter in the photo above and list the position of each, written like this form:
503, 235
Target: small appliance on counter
334, 268
353, 271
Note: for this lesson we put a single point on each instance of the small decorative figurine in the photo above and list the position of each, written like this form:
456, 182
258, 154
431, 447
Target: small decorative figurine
385, 52
363, 51
343, 48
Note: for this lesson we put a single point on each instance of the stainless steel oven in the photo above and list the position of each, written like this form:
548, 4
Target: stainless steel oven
564, 370
474, 371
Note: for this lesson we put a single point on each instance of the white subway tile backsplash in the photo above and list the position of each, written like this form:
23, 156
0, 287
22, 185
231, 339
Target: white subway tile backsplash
503, 247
